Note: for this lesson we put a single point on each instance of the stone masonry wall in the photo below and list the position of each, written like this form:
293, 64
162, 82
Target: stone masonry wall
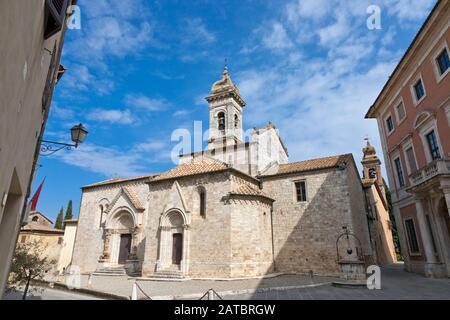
305, 233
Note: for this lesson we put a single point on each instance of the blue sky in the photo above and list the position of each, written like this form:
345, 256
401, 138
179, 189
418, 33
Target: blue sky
137, 70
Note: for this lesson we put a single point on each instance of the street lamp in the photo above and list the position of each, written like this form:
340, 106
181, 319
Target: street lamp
78, 134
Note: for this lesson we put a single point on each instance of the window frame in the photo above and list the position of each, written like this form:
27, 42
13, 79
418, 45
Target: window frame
406, 146
443, 47
416, 100
296, 194
400, 103
397, 176
436, 147
388, 133
410, 251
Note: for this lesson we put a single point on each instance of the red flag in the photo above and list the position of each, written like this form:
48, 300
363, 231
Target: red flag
35, 198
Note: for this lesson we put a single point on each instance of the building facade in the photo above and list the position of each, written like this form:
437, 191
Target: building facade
40, 229
413, 114
237, 209
32, 36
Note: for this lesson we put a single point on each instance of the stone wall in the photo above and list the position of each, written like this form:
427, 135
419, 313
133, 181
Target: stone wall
305, 233
90, 234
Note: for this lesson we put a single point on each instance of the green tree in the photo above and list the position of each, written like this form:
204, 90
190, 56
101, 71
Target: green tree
68, 215
59, 219
28, 264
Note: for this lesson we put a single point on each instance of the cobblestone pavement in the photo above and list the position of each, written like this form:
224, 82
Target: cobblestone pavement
121, 285
49, 294
396, 284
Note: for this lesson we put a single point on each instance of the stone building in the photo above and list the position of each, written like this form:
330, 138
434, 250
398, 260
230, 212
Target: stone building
32, 37
40, 228
236, 209
413, 116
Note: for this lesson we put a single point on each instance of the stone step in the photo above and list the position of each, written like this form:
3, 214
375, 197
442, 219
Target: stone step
167, 274
112, 271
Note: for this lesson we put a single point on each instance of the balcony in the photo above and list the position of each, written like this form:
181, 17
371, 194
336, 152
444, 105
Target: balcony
430, 171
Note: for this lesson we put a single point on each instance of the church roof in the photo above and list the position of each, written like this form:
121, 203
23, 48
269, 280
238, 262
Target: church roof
314, 164
118, 180
247, 190
193, 168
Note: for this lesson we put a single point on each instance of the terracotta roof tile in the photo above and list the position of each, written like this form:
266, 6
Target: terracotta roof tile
315, 164
40, 228
134, 198
118, 180
193, 168
247, 190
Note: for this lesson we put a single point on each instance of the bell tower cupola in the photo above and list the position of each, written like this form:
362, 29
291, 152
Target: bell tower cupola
372, 165
225, 113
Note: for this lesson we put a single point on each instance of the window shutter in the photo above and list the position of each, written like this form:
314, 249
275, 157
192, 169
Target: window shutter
55, 16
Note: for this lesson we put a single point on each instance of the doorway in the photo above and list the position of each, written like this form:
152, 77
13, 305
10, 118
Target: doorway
177, 248
125, 248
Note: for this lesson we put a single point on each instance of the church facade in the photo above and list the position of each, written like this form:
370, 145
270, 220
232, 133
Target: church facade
237, 209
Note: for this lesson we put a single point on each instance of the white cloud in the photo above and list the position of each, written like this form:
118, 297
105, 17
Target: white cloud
277, 38
111, 116
409, 9
195, 31
144, 102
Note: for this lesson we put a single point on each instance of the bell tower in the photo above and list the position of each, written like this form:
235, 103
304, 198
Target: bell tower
225, 113
372, 165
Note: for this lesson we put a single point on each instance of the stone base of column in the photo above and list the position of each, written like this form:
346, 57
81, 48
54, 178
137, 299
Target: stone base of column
435, 270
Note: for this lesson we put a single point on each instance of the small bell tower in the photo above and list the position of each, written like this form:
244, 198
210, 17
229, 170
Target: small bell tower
372, 165
225, 113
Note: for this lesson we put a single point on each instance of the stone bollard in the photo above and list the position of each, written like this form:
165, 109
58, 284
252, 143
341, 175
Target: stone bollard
134, 292
89, 283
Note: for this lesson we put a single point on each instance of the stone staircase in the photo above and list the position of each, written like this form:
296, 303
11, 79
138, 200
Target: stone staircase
111, 271
171, 274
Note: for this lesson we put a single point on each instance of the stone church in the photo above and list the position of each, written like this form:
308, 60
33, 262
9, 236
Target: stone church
237, 209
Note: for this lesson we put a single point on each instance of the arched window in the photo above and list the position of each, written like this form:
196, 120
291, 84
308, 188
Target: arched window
372, 173
236, 121
101, 209
221, 121
202, 204
35, 219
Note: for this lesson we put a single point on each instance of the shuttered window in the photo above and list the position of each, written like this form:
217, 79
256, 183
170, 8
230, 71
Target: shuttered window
55, 11
300, 189
412, 236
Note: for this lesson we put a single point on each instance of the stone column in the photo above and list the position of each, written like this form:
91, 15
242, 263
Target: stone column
106, 255
447, 199
185, 257
427, 241
134, 244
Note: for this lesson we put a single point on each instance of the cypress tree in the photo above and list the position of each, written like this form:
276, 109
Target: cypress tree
59, 219
69, 211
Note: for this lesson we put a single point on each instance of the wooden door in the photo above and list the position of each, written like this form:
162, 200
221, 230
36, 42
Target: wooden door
177, 248
125, 248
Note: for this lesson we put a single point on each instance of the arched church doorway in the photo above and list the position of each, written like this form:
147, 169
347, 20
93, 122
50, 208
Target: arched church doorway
118, 246
173, 242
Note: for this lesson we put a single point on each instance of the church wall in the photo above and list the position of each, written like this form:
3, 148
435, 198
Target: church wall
209, 237
360, 224
305, 233
251, 242
89, 239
